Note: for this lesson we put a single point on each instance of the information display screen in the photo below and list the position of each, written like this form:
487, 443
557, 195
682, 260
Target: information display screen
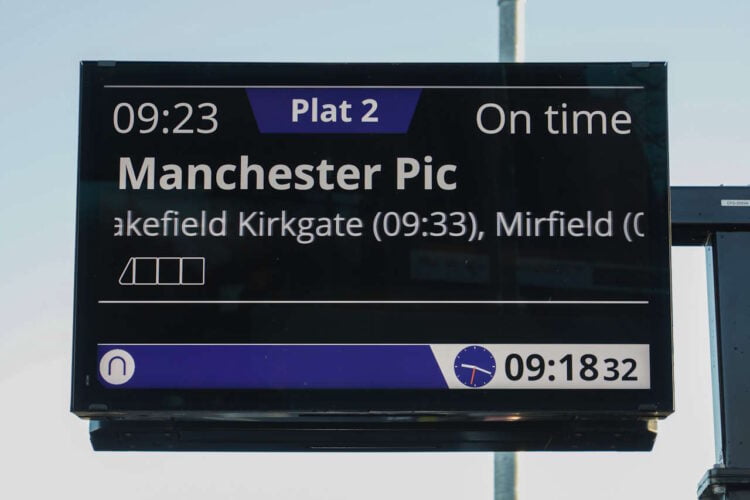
372, 238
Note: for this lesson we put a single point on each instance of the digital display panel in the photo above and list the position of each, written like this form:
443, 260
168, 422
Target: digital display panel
383, 238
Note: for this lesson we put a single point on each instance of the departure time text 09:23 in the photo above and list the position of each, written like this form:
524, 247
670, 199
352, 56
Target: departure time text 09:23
181, 118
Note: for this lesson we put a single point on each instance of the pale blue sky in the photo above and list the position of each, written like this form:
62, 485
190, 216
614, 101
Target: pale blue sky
44, 448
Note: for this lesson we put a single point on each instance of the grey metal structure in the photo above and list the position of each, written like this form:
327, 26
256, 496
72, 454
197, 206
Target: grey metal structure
719, 219
512, 26
505, 476
512, 38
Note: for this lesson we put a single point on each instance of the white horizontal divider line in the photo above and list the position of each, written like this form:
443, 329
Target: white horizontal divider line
499, 302
480, 87
348, 344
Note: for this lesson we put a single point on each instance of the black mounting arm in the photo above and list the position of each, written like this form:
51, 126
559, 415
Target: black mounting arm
719, 218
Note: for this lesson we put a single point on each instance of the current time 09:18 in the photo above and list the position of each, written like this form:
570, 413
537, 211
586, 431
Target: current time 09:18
586, 368
182, 118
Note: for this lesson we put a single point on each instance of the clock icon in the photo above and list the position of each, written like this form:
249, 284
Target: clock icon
474, 366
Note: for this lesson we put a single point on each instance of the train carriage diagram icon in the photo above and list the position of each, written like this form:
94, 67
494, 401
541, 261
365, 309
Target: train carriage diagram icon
164, 271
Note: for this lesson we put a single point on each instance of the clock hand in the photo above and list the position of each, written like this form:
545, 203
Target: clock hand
474, 367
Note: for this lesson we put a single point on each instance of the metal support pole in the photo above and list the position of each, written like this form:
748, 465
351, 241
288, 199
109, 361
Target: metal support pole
729, 262
512, 30
505, 476
512, 22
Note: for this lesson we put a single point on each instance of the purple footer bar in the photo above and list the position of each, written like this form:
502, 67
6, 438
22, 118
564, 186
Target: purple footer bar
262, 366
